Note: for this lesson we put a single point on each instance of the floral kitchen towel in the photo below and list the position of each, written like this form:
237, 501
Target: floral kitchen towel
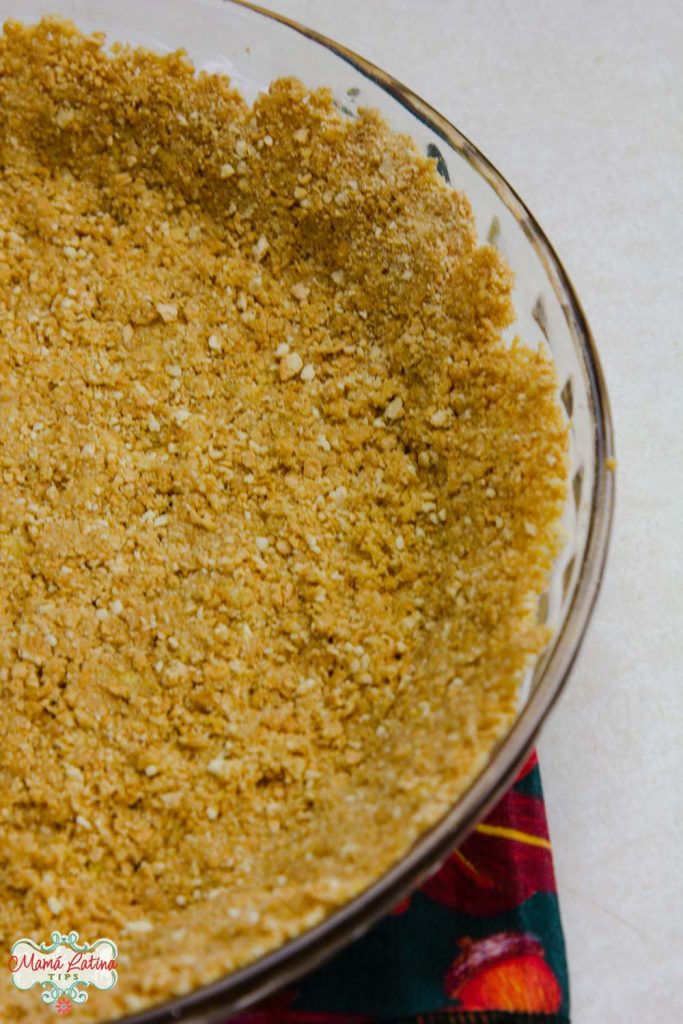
480, 943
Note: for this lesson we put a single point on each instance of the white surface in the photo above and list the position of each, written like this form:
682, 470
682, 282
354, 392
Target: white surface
580, 105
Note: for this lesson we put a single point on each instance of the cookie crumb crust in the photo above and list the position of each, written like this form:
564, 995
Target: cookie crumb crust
277, 506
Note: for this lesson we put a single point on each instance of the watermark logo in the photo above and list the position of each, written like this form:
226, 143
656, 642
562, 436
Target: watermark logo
64, 968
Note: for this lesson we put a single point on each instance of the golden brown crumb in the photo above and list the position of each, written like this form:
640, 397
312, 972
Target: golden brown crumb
277, 504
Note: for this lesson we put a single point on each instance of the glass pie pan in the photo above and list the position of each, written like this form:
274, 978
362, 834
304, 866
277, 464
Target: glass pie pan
254, 47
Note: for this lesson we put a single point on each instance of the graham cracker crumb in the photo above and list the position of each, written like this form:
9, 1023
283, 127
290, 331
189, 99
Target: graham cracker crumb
277, 505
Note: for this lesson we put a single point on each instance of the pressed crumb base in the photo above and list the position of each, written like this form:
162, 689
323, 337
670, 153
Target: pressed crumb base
277, 505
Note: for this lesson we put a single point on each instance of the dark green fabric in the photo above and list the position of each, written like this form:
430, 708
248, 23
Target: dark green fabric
480, 943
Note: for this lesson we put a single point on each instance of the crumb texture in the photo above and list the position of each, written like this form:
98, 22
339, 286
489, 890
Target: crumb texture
277, 504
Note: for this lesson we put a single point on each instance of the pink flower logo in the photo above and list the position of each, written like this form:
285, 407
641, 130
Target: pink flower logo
64, 1006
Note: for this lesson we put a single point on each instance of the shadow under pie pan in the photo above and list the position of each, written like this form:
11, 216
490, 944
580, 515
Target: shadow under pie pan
254, 47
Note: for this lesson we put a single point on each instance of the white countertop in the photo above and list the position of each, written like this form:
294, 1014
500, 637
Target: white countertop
580, 105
